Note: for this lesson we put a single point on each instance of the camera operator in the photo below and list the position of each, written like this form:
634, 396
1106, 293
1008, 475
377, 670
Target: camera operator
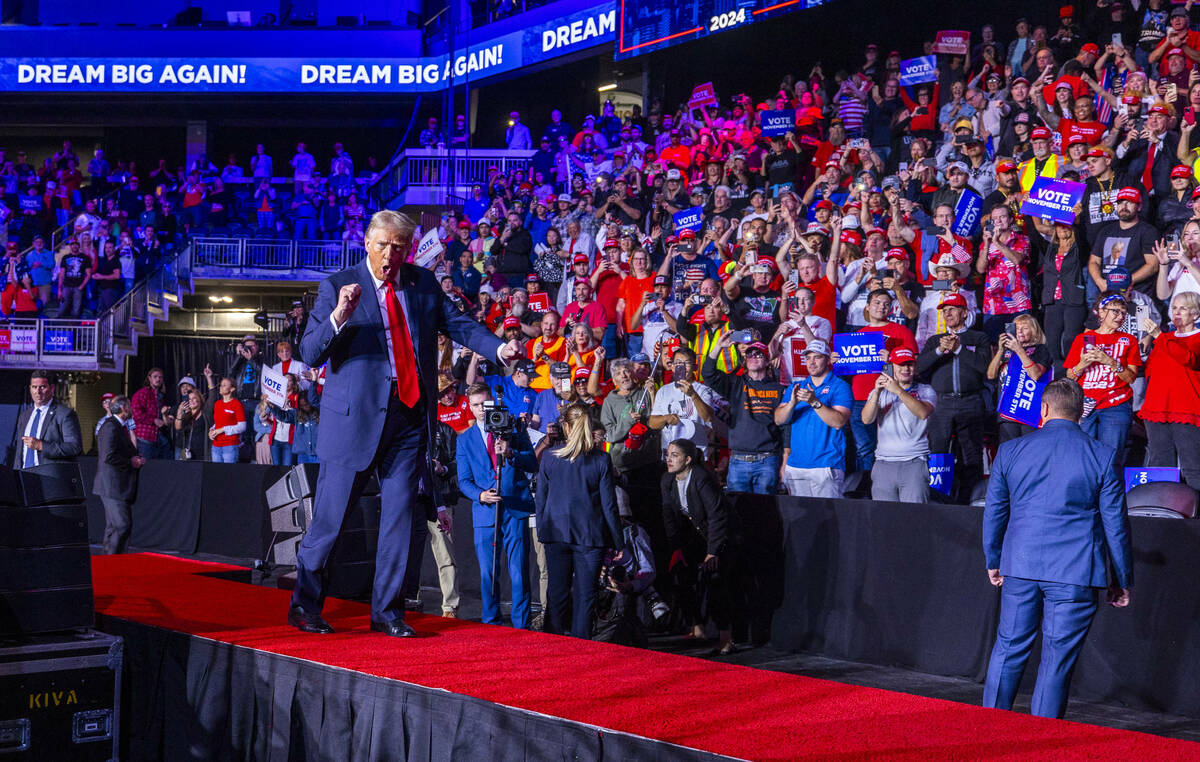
297, 320
626, 576
496, 439
246, 372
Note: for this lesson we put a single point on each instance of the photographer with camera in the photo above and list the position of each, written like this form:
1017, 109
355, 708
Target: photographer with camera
496, 444
246, 372
577, 520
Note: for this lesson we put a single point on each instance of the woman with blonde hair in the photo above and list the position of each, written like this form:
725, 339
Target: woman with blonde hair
1171, 411
577, 519
1028, 343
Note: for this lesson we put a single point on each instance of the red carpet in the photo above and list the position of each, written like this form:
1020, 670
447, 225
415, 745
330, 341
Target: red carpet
725, 709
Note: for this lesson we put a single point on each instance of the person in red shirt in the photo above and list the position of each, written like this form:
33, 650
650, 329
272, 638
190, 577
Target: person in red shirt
1105, 361
1083, 125
586, 312
1171, 410
632, 297
808, 275
606, 282
676, 154
229, 421
1179, 36
454, 409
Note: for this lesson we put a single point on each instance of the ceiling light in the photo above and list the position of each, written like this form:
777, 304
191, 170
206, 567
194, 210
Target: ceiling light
606, 88
214, 299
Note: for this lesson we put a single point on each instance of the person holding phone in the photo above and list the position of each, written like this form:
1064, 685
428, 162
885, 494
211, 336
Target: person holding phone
899, 408
1105, 361
1022, 337
1179, 262
1171, 410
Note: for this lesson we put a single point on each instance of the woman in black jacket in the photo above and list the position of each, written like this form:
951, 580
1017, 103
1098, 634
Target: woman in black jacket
1064, 298
577, 519
700, 529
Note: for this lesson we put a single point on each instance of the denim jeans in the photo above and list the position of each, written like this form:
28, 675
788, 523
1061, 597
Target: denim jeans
304, 229
760, 477
633, 344
282, 455
304, 457
225, 454
865, 438
1110, 426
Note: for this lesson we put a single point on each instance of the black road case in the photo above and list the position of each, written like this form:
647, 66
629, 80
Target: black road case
59, 697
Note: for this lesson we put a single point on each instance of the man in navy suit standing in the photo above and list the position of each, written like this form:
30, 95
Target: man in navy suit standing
376, 326
1046, 529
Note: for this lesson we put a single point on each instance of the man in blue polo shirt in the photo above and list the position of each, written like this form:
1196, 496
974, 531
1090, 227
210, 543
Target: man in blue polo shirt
518, 397
817, 408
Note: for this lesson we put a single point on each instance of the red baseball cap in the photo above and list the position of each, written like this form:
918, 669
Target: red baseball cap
876, 231
904, 355
511, 322
1130, 194
1092, 48
953, 300
1129, 99
687, 234
107, 396
1100, 152
582, 372
897, 252
1158, 108
533, 278
1174, 52
824, 204
1076, 138
1040, 133
759, 347
852, 236
1196, 194
1181, 170
612, 243
580, 258
1019, 81
1005, 166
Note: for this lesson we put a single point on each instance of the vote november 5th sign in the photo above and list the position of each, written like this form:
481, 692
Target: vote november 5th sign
274, 386
1021, 396
916, 71
775, 123
1053, 200
689, 219
857, 353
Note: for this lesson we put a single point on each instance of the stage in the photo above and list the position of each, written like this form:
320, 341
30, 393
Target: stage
215, 673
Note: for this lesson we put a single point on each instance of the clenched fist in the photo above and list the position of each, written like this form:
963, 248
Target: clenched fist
347, 301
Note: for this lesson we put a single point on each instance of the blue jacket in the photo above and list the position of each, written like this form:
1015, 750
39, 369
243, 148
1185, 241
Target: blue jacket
1054, 505
476, 474
576, 501
355, 400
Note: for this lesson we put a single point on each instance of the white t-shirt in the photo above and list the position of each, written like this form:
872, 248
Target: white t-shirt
901, 435
670, 400
654, 324
794, 342
1181, 280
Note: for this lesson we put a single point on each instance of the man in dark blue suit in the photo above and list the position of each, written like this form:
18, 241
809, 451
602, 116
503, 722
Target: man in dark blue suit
476, 459
376, 326
1054, 507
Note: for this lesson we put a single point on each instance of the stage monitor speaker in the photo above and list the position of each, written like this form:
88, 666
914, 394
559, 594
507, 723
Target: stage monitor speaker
284, 552
53, 483
45, 569
292, 517
299, 482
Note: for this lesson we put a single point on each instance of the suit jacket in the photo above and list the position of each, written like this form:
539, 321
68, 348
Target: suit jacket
577, 502
709, 512
1054, 505
476, 474
61, 438
1134, 164
355, 399
115, 474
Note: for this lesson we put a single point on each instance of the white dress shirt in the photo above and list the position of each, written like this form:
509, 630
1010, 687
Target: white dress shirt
35, 433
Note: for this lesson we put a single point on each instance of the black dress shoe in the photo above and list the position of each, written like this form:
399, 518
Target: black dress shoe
307, 621
396, 628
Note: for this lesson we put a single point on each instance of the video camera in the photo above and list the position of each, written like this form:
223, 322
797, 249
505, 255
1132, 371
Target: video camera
497, 420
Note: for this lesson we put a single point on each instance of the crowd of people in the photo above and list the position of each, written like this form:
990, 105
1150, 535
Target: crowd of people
117, 225
692, 352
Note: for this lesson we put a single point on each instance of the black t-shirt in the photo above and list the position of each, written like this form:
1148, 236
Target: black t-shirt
75, 268
757, 310
1114, 246
740, 190
107, 266
782, 166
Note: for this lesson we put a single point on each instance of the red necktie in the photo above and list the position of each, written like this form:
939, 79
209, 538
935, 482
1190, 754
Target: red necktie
408, 386
491, 444
1148, 172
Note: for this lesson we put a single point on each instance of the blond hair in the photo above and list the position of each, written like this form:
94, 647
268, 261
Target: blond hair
577, 424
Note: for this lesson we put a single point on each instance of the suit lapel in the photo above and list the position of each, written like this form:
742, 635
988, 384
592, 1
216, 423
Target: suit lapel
369, 301
413, 309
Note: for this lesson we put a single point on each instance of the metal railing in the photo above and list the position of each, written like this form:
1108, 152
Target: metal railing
439, 169
51, 343
249, 253
61, 233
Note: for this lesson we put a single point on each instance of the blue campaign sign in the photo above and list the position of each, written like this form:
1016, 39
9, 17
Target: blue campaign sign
1135, 477
967, 214
858, 353
1053, 200
941, 472
777, 122
916, 71
58, 340
1021, 396
689, 219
